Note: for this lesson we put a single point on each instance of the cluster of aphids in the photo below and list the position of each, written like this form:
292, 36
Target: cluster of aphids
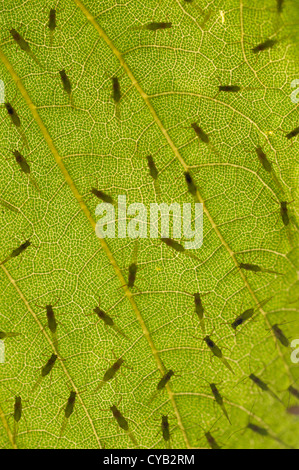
103, 316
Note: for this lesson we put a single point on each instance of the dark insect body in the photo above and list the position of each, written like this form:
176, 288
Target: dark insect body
121, 421
257, 429
165, 428
217, 352
52, 324
250, 267
219, 399
13, 114
284, 213
20, 41
49, 365
280, 335
157, 26
70, 404
103, 196
243, 317
190, 183
132, 275
165, 379
116, 89
279, 5
65, 82
294, 391
200, 133
52, 19
21, 161
173, 244
268, 44
293, 133
152, 167
112, 370
17, 251
263, 386
212, 443
103, 316
10, 334
263, 159
229, 88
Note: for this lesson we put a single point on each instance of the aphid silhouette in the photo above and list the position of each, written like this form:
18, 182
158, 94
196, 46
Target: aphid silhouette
246, 315
156, 26
263, 46
293, 133
46, 369
23, 45
217, 352
108, 320
52, 24
8, 206
280, 335
24, 167
51, 322
122, 422
110, 373
264, 433
200, 133
165, 428
17, 412
67, 86
263, 386
263, 159
68, 410
162, 384
199, 310
190, 183
256, 269
102, 196
178, 247
8, 334
116, 93
210, 439
279, 5
229, 88
13, 114
153, 171
293, 410
293, 391
17, 251
219, 400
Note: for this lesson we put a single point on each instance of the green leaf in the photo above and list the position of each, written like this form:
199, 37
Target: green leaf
168, 80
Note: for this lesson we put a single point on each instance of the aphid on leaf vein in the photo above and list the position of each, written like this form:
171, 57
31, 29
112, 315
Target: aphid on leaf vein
110, 373
46, 369
294, 391
165, 428
263, 159
268, 44
280, 335
108, 321
17, 251
165, 379
293, 133
263, 386
190, 184
7, 334
69, 408
219, 400
217, 352
52, 323
23, 45
256, 269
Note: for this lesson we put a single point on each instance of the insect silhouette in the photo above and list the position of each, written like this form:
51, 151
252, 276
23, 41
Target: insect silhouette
190, 183
7, 334
199, 310
200, 133
217, 352
229, 88
210, 439
17, 251
156, 26
46, 369
108, 321
264, 433
268, 44
256, 269
122, 422
102, 196
247, 314
293, 133
24, 167
52, 24
178, 247
110, 373
153, 171
68, 410
219, 400
66, 85
263, 159
23, 45
280, 335
279, 5
263, 386
13, 114
52, 322
162, 384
